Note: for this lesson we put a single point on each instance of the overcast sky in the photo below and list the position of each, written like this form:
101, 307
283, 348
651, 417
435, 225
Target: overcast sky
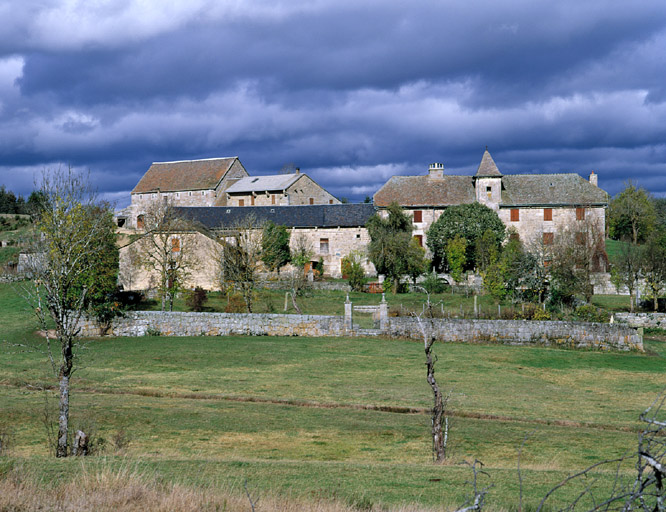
350, 91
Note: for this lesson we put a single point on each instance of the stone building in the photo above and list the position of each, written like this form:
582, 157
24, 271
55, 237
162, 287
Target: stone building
537, 206
183, 183
278, 190
330, 232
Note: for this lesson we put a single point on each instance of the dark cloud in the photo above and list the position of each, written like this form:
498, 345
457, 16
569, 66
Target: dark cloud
352, 91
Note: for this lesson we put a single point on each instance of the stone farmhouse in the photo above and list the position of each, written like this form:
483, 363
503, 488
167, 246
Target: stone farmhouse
537, 206
330, 232
217, 182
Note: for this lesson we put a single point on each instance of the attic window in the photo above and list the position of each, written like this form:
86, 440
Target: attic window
580, 213
515, 215
418, 216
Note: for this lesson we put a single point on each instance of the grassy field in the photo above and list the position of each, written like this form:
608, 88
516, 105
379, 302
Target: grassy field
332, 419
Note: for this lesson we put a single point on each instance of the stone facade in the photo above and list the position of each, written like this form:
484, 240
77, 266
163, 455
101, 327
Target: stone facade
333, 244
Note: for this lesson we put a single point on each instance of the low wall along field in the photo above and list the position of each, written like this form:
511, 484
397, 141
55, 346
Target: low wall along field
519, 332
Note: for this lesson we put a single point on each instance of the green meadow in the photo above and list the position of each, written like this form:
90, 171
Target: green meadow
342, 419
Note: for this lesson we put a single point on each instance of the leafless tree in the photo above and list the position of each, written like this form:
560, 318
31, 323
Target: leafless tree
578, 252
167, 249
439, 419
627, 268
71, 225
240, 258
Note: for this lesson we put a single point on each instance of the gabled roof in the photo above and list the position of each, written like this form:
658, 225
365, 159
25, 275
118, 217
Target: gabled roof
426, 191
550, 189
487, 167
305, 216
184, 175
273, 182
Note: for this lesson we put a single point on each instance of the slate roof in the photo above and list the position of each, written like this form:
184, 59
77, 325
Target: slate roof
305, 216
487, 167
184, 175
273, 182
550, 189
426, 191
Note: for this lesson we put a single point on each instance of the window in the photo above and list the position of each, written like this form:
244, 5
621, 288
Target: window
418, 216
175, 245
272, 198
241, 202
203, 193
548, 239
140, 223
547, 214
515, 214
580, 213
323, 246
419, 239
489, 191
252, 200
358, 236
330, 201
312, 200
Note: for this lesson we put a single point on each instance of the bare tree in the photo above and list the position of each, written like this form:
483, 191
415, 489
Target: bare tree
167, 249
240, 258
626, 271
578, 252
72, 227
440, 421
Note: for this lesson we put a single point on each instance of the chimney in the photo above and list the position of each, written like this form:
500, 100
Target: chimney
298, 170
594, 179
436, 171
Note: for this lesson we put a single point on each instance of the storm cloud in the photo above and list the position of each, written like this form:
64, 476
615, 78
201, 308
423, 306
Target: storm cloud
351, 92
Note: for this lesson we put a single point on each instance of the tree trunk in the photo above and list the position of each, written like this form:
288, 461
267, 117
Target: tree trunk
631, 301
63, 417
438, 444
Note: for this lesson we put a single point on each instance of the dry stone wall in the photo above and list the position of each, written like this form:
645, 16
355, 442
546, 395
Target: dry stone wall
637, 320
521, 332
141, 323
513, 332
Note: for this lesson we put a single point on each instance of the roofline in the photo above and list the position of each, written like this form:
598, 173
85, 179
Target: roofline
550, 205
196, 160
296, 175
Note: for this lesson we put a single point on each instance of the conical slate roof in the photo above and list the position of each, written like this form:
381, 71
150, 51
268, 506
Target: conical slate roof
487, 167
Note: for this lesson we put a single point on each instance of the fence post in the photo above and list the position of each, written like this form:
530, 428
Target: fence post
349, 325
383, 314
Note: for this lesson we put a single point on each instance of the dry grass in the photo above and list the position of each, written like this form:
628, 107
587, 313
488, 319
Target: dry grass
128, 490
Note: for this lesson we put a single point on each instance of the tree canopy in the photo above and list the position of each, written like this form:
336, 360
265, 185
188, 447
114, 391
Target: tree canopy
469, 221
275, 251
631, 215
389, 249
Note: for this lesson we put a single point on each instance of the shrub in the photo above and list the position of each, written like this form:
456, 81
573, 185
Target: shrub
434, 284
196, 299
590, 313
236, 304
531, 311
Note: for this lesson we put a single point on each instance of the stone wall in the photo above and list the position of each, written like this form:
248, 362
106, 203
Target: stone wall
637, 320
513, 332
141, 323
520, 332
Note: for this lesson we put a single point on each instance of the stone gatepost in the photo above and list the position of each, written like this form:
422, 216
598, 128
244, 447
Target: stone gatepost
349, 325
383, 314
